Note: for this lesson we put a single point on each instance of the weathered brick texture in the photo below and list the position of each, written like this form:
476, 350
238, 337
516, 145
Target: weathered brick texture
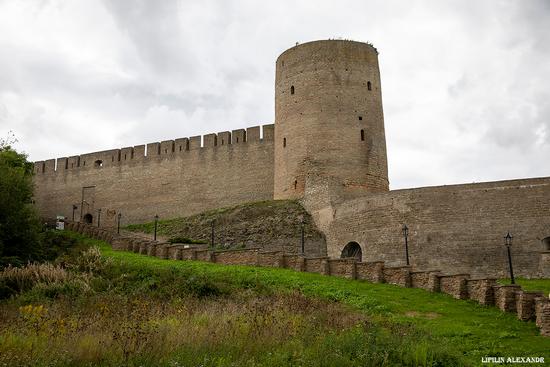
370, 271
428, 280
317, 265
271, 258
526, 304
295, 262
237, 257
455, 285
400, 275
505, 297
344, 268
482, 290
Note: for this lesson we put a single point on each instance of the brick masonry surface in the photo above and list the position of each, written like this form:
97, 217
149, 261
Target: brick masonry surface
508, 298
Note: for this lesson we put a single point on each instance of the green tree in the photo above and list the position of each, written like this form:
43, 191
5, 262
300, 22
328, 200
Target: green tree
20, 229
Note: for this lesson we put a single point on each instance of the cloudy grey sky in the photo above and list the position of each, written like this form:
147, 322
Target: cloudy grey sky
466, 83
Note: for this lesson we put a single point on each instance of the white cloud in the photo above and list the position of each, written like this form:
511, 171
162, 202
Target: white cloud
465, 88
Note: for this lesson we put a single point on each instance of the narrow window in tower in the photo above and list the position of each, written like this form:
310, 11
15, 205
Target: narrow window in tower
180, 148
284, 142
44, 167
222, 141
369, 85
124, 156
187, 145
292, 89
295, 184
362, 135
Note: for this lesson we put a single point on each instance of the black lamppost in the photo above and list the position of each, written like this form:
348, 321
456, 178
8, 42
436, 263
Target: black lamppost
508, 243
405, 231
156, 224
98, 216
303, 237
212, 233
118, 223
74, 208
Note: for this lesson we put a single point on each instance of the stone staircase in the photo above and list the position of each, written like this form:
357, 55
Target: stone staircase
527, 305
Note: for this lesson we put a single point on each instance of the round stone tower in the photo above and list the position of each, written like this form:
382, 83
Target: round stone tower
329, 124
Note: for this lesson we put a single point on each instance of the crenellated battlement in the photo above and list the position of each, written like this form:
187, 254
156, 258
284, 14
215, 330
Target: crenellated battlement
163, 149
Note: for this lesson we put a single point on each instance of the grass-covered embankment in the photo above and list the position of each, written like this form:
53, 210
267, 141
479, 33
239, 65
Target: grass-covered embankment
138, 310
272, 225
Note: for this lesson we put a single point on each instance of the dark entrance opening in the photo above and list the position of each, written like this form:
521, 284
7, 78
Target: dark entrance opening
88, 218
352, 249
546, 243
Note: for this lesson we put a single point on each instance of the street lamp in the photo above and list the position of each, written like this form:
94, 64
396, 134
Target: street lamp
74, 208
118, 223
303, 237
212, 234
98, 216
508, 243
156, 224
405, 231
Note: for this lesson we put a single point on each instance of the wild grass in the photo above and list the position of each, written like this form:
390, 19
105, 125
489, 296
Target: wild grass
152, 312
245, 330
23, 278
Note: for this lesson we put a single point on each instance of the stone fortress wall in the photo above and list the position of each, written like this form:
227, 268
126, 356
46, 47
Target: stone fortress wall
326, 148
457, 228
172, 178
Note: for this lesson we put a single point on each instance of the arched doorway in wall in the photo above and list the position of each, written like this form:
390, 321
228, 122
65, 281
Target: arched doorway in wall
352, 249
546, 243
88, 218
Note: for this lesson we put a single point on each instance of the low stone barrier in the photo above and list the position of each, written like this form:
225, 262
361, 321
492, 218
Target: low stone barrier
454, 285
428, 280
237, 257
400, 275
370, 271
525, 304
203, 255
482, 290
317, 265
344, 268
505, 297
272, 258
509, 298
295, 262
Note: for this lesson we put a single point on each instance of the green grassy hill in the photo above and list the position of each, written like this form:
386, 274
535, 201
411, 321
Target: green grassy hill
126, 308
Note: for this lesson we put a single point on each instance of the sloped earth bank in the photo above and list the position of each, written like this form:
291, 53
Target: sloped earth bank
270, 225
128, 309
